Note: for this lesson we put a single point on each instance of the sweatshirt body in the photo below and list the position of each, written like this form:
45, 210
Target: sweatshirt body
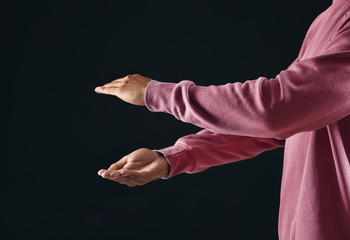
315, 190
309, 107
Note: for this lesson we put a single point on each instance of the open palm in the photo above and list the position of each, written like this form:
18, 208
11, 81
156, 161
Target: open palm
137, 168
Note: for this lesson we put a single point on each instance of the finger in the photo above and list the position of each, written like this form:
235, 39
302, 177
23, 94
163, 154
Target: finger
112, 83
134, 165
114, 166
115, 83
118, 165
125, 174
112, 174
106, 90
127, 181
132, 174
119, 80
104, 174
101, 171
130, 182
117, 177
107, 173
115, 174
97, 89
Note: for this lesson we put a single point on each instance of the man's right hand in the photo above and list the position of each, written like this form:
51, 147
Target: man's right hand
137, 168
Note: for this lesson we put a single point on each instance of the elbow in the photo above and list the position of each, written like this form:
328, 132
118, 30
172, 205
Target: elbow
276, 127
279, 133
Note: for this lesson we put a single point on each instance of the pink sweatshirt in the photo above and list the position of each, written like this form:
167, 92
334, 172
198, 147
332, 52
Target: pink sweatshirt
305, 109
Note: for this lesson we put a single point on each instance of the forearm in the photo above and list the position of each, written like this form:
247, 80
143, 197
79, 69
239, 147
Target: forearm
197, 152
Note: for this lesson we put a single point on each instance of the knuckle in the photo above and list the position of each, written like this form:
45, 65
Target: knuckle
130, 165
125, 80
113, 165
118, 166
132, 159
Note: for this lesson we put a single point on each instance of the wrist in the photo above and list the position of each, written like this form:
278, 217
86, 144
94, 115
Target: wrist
145, 96
165, 165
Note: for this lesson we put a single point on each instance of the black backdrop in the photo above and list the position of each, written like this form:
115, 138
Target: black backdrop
58, 133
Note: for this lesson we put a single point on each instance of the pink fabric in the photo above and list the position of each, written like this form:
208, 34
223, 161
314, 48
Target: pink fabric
305, 109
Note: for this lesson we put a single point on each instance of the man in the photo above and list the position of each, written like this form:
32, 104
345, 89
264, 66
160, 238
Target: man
305, 109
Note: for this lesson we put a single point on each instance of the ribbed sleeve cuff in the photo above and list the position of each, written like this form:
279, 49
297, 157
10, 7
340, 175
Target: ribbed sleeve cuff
180, 159
158, 96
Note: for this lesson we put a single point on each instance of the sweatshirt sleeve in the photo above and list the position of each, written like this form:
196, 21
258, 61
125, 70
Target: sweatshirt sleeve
197, 152
309, 95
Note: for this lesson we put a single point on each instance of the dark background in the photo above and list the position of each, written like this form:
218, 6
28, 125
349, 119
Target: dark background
58, 133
